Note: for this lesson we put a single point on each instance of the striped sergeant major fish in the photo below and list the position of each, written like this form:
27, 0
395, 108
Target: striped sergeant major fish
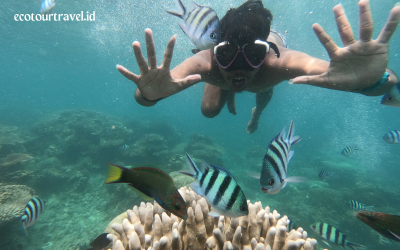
219, 188
392, 97
334, 235
325, 174
274, 166
392, 137
47, 6
355, 205
33, 210
200, 24
347, 151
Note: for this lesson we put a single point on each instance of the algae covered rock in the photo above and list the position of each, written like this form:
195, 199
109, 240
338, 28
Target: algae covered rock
203, 147
73, 134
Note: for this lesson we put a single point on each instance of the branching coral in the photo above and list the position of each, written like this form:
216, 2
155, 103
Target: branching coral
150, 227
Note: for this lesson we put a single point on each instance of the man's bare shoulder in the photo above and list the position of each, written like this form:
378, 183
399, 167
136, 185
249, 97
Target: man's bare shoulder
200, 63
292, 63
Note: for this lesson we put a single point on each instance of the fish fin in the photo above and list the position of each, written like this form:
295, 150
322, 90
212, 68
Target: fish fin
255, 175
291, 153
295, 140
195, 51
291, 137
144, 196
395, 235
281, 135
357, 246
192, 5
195, 172
196, 188
204, 165
23, 229
296, 179
179, 11
182, 24
284, 183
369, 208
114, 173
326, 243
214, 213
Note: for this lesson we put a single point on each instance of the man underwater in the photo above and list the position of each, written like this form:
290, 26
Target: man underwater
241, 62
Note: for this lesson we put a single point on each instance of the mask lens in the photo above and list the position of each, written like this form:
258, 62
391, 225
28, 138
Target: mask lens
226, 53
255, 53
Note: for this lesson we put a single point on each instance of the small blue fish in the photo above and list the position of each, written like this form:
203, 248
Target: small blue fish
347, 151
355, 205
33, 210
274, 166
325, 174
47, 6
200, 24
392, 97
392, 137
124, 147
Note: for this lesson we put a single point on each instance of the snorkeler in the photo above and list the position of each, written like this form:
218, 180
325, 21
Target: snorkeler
244, 61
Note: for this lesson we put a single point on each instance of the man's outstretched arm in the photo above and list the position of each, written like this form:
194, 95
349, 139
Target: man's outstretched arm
359, 65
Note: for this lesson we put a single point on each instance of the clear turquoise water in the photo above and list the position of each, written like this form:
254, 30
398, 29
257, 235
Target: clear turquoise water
48, 67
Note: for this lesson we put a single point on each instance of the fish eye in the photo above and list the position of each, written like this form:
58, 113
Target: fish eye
271, 182
389, 98
212, 36
242, 208
177, 207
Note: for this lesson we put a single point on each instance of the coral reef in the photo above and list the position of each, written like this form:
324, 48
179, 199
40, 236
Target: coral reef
13, 199
150, 227
72, 135
13, 159
202, 147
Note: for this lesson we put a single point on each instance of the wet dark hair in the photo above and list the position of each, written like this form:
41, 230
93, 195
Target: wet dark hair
247, 23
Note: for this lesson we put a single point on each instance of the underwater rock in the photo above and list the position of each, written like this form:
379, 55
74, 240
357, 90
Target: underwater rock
74, 134
181, 180
13, 159
150, 148
203, 147
150, 226
13, 199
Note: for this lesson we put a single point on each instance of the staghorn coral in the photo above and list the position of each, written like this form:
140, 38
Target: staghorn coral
150, 227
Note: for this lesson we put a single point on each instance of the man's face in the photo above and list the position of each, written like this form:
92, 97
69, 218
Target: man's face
240, 73
238, 80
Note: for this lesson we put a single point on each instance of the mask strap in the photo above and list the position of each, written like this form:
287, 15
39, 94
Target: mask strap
275, 48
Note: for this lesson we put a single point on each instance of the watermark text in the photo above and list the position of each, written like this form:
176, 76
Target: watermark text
55, 17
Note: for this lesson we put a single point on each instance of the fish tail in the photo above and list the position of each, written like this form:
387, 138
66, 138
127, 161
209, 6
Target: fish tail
195, 171
291, 137
23, 230
114, 173
355, 246
179, 11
